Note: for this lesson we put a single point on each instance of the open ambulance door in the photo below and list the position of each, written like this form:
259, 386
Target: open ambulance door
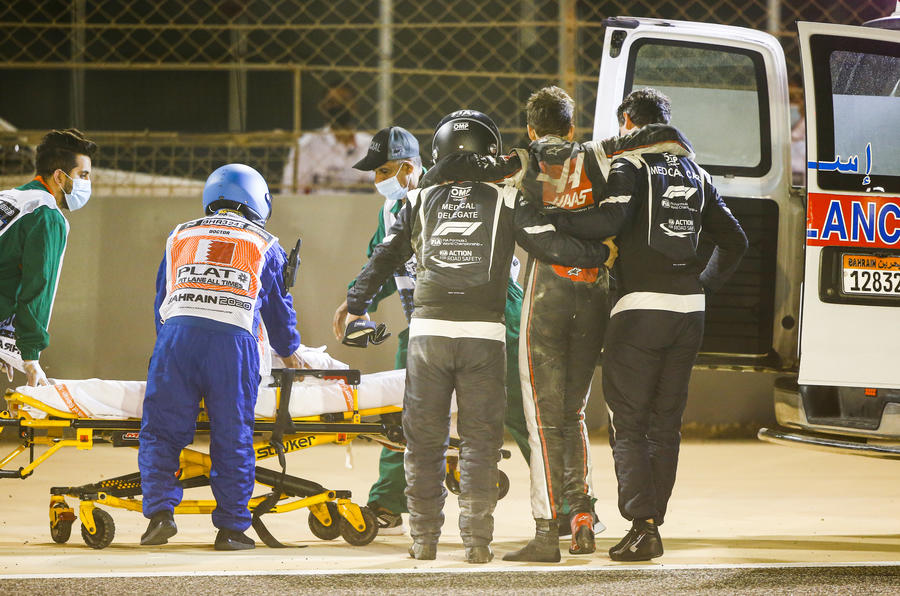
729, 93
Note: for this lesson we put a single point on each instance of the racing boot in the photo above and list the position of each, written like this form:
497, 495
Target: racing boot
423, 551
582, 525
543, 548
479, 554
641, 543
160, 529
233, 540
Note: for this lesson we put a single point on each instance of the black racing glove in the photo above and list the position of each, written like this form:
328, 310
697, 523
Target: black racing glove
360, 333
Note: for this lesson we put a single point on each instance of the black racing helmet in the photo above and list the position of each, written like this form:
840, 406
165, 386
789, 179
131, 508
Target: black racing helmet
465, 131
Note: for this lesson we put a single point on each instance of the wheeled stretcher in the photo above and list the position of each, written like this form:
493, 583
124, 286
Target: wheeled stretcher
299, 409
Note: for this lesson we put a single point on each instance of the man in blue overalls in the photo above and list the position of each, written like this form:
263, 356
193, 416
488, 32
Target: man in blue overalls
220, 275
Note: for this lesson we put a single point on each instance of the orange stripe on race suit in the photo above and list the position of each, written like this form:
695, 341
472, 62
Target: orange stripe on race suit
589, 275
63, 392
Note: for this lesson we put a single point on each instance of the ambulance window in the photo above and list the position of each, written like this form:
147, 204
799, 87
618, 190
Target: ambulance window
857, 85
713, 89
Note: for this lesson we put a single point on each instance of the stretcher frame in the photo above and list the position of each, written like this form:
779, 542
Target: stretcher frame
331, 512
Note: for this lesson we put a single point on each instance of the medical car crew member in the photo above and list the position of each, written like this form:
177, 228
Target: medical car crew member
220, 274
394, 156
662, 203
33, 233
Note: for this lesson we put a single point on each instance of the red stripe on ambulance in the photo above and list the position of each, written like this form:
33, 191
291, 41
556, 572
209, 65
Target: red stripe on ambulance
853, 220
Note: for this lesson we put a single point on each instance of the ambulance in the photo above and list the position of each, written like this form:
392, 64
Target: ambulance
817, 296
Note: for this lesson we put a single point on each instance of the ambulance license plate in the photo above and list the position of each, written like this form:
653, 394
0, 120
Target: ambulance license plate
870, 275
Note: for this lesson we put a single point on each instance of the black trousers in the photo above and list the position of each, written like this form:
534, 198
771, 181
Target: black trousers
476, 370
647, 362
563, 321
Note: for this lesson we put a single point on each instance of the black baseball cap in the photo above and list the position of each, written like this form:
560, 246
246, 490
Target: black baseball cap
388, 144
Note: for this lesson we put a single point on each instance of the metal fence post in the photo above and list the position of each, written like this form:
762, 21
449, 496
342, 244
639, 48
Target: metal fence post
567, 35
237, 82
773, 17
76, 110
385, 62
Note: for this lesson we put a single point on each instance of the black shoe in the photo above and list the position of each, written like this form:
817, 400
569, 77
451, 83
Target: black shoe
389, 523
582, 534
233, 540
422, 551
160, 529
641, 543
543, 548
479, 554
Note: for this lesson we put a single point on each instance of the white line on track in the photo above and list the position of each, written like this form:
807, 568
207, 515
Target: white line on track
451, 570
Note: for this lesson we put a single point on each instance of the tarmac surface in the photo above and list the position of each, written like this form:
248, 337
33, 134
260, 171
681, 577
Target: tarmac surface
745, 517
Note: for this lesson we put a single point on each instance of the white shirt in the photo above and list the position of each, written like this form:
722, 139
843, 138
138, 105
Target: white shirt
326, 164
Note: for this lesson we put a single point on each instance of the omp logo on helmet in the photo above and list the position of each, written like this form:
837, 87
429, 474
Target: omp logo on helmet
679, 192
459, 192
215, 251
463, 228
460, 126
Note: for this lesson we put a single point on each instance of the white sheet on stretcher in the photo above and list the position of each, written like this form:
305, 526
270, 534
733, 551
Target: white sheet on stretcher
115, 400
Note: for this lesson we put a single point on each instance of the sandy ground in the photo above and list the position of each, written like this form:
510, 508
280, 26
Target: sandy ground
738, 503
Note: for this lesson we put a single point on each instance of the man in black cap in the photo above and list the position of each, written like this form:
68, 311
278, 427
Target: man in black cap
394, 157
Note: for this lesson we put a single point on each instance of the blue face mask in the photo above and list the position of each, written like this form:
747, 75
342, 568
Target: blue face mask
81, 192
391, 189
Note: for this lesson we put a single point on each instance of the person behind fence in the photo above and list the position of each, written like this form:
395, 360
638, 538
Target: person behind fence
394, 156
221, 274
463, 235
322, 159
33, 234
660, 202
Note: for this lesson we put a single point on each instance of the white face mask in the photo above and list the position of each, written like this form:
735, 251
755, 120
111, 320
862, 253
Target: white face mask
81, 192
391, 189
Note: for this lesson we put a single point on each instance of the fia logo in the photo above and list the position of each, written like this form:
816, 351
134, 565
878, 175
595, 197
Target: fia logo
671, 160
460, 126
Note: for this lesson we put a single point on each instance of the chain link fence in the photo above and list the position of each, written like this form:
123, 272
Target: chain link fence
215, 81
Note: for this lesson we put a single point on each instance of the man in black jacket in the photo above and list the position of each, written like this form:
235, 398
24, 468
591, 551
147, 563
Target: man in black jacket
463, 235
660, 202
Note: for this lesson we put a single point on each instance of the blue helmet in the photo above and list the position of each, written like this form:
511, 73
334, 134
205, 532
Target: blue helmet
238, 187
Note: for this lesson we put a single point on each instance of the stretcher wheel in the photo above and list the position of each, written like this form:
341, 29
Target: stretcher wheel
356, 538
320, 530
502, 484
106, 530
62, 531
